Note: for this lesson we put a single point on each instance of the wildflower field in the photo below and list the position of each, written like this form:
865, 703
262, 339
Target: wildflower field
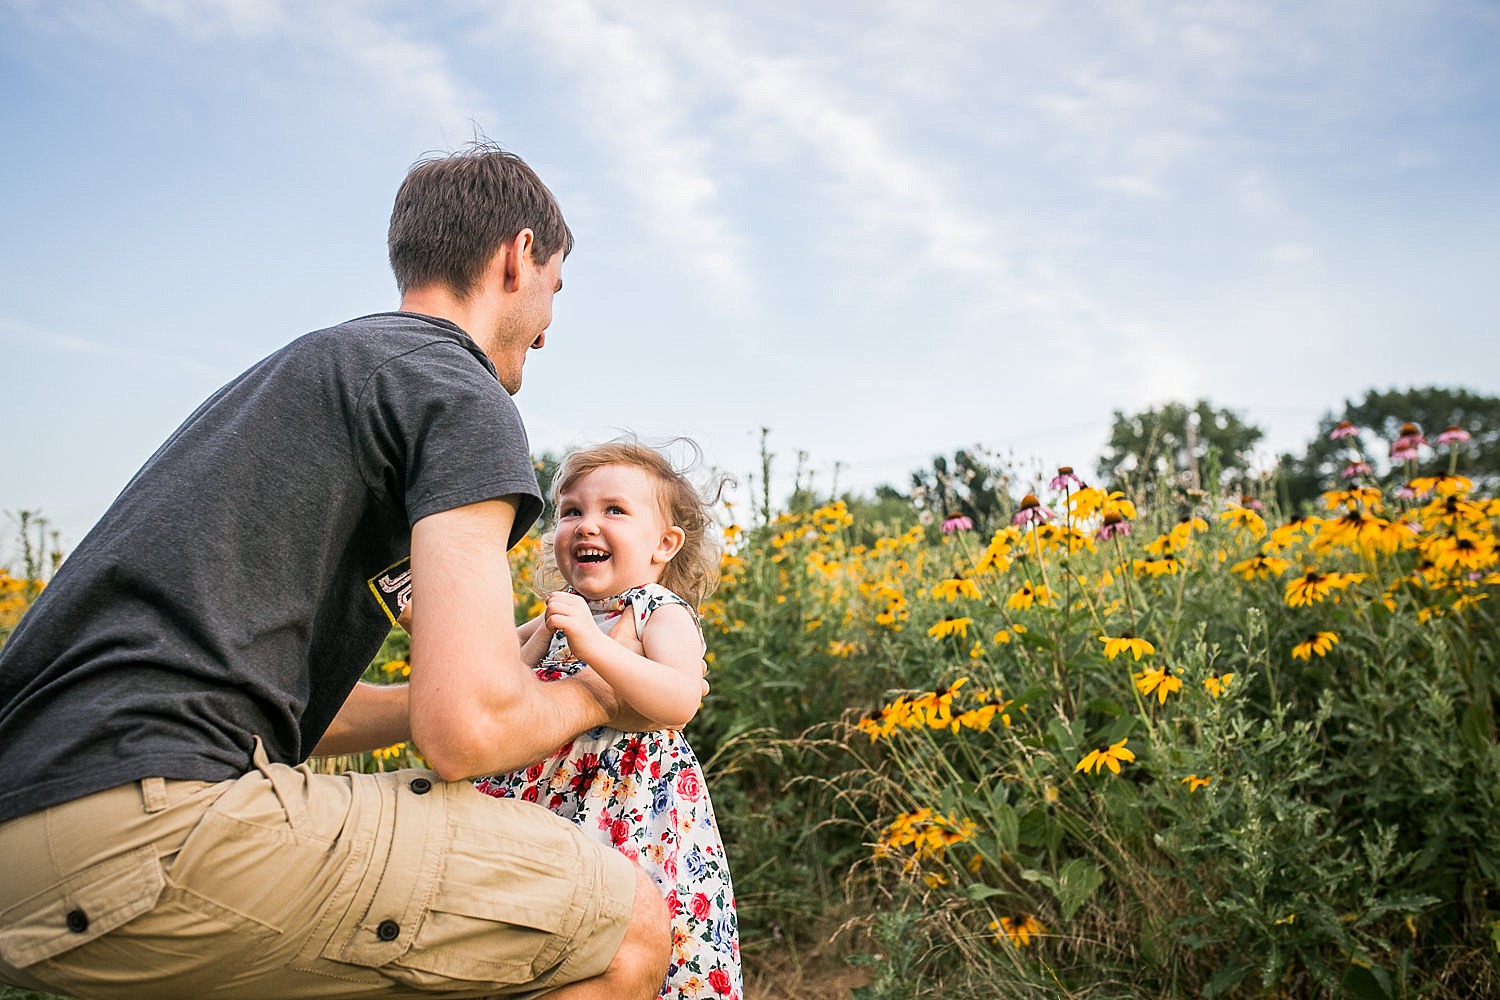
1095, 750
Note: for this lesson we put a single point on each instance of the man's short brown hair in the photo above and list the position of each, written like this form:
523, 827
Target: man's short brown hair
454, 212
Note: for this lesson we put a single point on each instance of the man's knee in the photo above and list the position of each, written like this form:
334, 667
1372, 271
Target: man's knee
647, 946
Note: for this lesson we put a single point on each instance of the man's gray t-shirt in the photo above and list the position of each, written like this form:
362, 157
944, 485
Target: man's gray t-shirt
246, 576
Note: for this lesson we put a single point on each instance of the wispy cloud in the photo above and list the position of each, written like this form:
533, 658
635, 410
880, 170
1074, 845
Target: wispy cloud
412, 76
58, 342
641, 107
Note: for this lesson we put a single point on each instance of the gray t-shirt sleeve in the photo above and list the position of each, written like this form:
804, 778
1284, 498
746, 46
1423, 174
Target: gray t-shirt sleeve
437, 430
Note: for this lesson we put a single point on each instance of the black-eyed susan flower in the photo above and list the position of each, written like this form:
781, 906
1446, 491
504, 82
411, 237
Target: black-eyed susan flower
1261, 567
955, 587
1217, 685
951, 626
1312, 586
1244, 520
1164, 566
1160, 681
1019, 929
1460, 551
1110, 755
1317, 644
1194, 782
1126, 643
1029, 595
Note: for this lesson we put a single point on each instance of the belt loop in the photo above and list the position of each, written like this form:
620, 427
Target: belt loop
288, 783
154, 794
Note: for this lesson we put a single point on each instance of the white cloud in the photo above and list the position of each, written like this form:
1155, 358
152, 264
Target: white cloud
411, 76
636, 100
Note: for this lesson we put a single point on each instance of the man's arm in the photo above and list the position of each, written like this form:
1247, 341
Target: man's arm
475, 707
373, 716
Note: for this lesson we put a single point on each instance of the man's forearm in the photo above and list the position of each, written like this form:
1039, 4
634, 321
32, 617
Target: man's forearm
373, 716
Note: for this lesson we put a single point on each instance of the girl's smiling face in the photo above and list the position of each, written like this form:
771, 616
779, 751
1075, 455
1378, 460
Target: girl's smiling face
612, 533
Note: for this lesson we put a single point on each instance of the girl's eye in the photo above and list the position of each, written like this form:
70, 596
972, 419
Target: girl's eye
568, 512
616, 509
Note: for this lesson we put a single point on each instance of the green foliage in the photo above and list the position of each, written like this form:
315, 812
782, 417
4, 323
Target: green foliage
1378, 418
1182, 446
1283, 822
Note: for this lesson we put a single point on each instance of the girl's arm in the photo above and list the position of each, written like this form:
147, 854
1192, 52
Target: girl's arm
535, 637
665, 685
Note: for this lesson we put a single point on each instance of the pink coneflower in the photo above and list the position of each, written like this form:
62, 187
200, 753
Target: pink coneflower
1251, 503
1343, 429
1356, 469
1404, 450
1407, 442
1453, 435
1031, 512
957, 522
1114, 526
1064, 478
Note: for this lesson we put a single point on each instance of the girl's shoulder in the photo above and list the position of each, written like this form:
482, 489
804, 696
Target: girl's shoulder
644, 600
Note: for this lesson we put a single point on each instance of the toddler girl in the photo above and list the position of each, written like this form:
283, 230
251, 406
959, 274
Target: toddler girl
635, 548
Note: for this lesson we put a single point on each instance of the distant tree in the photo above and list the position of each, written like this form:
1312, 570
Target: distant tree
973, 484
1377, 421
1180, 446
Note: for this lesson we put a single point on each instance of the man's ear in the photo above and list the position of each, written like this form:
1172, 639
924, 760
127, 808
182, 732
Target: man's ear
671, 543
515, 256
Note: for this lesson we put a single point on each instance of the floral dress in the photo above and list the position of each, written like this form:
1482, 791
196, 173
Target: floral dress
644, 794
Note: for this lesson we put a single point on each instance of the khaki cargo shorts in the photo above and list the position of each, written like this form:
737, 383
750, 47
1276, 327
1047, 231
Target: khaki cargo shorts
285, 883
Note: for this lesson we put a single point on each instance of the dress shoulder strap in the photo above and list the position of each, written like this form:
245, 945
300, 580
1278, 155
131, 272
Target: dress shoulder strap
645, 599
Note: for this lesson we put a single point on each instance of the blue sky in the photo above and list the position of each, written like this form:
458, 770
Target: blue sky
883, 230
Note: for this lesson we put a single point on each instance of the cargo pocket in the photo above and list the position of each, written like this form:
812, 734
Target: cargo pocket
90, 903
471, 893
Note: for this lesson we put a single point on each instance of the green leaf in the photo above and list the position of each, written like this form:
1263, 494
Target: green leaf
1372, 983
1075, 884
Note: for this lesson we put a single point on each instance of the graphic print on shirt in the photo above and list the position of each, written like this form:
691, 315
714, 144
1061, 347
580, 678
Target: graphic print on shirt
392, 588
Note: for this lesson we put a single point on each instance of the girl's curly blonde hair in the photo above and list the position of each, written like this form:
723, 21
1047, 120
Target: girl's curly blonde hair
693, 572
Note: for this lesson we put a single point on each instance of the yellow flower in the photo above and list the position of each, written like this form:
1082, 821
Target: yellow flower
1165, 566
1444, 484
1194, 782
955, 587
1106, 756
1029, 595
1245, 520
1284, 536
1125, 643
1217, 686
1313, 586
1020, 929
1319, 643
1160, 680
951, 626
1261, 567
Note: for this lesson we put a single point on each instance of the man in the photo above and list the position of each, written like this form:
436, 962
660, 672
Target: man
161, 836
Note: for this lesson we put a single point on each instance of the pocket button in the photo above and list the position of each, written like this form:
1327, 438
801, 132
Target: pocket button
388, 930
77, 921
421, 786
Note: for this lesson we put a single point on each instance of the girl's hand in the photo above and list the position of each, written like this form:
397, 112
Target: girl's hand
569, 614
